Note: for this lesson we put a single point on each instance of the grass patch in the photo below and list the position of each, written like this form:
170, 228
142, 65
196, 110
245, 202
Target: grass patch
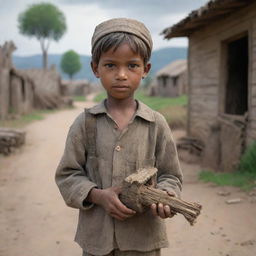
248, 160
245, 181
244, 177
173, 109
23, 120
160, 103
100, 96
176, 116
79, 98
156, 103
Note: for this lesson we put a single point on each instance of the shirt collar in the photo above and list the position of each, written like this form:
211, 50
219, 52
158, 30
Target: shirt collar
142, 111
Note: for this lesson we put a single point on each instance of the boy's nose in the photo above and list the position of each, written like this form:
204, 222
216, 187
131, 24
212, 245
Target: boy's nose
121, 74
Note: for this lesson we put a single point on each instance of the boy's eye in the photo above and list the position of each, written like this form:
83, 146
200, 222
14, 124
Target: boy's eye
133, 65
109, 65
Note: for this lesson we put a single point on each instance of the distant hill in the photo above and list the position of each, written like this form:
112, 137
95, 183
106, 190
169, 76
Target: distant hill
159, 59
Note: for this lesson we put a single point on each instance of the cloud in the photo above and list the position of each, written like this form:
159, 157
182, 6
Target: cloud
83, 15
144, 7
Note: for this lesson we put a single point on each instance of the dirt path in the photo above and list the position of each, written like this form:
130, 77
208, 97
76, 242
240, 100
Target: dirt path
35, 222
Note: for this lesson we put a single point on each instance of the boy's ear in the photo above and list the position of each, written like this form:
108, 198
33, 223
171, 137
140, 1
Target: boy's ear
94, 67
147, 69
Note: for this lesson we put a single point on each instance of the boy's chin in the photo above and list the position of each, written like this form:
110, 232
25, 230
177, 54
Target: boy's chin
120, 96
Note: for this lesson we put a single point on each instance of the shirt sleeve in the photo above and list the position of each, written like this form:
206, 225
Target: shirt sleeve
169, 176
70, 175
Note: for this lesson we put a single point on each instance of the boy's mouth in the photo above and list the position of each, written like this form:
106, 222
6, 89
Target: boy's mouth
120, 87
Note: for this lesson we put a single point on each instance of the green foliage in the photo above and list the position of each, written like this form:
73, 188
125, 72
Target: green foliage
100, 96
42, 20
175, 115
25, 119
245, 181
248, 160
159, 103
156, 103
173, 109
70, 63
79, 98
45, 22
244, 177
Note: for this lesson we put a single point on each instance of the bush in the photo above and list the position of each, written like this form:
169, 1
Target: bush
244, 177
248, 160
176, 116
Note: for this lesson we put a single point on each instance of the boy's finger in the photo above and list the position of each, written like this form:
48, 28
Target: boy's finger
161, 212
117, 190
167, 210
122, 208
120, 215
154, 209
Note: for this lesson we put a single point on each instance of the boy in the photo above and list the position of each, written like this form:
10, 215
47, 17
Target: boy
124, 136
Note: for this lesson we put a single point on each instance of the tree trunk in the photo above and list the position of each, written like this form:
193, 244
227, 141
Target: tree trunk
45, 59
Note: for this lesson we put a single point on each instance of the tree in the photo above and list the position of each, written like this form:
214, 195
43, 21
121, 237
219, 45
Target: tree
70, 63
45, 22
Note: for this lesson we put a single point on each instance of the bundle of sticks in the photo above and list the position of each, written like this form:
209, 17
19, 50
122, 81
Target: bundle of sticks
138, 193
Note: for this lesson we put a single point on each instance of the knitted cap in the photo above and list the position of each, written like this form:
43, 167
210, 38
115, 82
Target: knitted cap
131, 26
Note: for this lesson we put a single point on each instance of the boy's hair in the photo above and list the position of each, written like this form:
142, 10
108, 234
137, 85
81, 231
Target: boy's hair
115, 39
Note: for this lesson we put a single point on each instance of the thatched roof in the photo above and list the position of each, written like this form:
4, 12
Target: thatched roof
173, 69
201, 17
22, 75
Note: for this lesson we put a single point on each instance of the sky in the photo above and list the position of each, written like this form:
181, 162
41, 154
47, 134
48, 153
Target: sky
83, 15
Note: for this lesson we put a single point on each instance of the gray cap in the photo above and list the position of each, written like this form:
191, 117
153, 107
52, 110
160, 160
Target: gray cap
131, 26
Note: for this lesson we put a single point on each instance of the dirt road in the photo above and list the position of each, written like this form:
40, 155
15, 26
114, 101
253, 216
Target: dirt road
34, 221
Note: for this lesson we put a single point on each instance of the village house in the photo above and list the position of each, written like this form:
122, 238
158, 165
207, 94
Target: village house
47, 83
21, 91
171, 81
221, 78
75, 87
16, 89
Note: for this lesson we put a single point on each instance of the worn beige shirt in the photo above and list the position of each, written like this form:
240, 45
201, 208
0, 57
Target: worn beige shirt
147, 141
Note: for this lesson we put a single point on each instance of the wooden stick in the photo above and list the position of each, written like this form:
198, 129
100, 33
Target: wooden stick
138, 193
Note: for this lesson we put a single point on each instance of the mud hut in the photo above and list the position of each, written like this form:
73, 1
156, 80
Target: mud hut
171, 81
47, 84
75, 87
221, 78
16, 89
5, 66
22, 93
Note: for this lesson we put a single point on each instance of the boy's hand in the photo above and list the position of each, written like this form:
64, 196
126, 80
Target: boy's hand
108, 199
163, 211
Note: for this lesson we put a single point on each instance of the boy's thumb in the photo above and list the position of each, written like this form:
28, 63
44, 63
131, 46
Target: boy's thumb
118, 190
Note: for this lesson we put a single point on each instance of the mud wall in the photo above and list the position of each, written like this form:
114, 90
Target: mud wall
206, 69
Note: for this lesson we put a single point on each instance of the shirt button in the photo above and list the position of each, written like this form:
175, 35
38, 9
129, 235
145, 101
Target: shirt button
118, 148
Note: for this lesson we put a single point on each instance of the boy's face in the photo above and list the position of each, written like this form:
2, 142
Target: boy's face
120, 71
